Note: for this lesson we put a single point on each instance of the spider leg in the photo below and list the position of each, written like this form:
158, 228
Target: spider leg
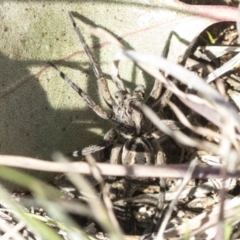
115, 157
139, 92
115, 73
109, 139
96, 68
91, 149
173, 125
96, 108
117, 80
155, 94
158, 102
164, 100
160, 160
160, 137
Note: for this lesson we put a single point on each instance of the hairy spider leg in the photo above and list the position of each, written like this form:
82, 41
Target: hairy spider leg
96, 108
109, 139
161, 161
155, 94
96, 68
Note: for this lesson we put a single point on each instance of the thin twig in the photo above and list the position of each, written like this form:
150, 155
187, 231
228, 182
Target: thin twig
185, 181
96, 173
170, 170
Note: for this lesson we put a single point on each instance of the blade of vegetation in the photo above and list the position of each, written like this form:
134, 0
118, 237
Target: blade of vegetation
48, 197
99, 211
36, 226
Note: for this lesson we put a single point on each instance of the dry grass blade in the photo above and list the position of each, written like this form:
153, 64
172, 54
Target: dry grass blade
207, 219
168, 214
229, 65
106, 200
102, 33
200, 130
36, 226
179, 136
216, 51
11, 232
47, 197
171, 170
103, 217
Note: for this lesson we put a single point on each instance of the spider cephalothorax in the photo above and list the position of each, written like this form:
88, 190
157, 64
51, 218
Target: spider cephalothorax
134, 140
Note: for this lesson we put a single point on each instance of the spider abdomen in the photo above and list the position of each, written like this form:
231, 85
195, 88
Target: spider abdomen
137, 151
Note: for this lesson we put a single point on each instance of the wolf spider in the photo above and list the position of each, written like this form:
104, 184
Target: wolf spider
134, 140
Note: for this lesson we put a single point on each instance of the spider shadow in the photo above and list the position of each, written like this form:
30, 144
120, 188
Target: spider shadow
30, 126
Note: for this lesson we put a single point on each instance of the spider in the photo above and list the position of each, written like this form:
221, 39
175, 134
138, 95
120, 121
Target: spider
134, 140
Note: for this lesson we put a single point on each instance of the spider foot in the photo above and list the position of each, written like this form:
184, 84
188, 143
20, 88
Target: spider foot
92, 149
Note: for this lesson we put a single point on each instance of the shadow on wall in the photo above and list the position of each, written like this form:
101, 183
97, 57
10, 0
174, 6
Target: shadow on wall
29, 126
